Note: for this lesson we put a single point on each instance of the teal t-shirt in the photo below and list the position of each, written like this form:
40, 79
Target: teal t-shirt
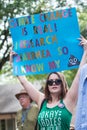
56, 118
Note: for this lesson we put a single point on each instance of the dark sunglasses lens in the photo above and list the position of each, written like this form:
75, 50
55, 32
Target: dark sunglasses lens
58, 81
50, 82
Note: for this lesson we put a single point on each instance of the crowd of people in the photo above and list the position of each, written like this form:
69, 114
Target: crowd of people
58, 101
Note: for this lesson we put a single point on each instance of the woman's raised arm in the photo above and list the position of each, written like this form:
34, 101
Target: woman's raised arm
72, 94
34, 94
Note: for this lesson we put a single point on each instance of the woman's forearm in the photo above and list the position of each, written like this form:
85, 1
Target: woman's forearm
34, 94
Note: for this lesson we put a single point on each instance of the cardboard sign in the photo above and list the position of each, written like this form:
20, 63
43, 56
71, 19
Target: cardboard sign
46, 42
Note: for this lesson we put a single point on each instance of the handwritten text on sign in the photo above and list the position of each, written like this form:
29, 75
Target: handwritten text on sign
46, 42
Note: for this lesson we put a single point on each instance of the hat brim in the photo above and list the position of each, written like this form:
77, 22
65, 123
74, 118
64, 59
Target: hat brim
17, 95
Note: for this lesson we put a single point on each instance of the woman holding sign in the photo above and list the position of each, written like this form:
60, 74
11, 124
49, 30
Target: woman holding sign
59, 102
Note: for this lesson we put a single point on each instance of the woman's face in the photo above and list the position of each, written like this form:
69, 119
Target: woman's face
54, 84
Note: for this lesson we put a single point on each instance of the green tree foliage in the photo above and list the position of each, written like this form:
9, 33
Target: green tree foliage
83, 21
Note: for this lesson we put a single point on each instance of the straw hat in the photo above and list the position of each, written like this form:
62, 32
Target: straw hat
22, 91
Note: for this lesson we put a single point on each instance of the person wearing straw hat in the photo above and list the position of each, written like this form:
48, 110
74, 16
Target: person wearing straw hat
27, 116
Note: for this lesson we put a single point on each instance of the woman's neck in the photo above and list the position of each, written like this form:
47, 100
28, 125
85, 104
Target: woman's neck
55, 98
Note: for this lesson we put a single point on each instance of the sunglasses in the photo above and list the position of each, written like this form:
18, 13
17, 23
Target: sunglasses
56, 81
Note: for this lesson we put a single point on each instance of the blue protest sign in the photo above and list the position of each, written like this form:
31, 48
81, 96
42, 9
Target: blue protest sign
46, 42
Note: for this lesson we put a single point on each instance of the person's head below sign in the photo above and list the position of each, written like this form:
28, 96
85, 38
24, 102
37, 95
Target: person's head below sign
27, 116
23, 98
57, 108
